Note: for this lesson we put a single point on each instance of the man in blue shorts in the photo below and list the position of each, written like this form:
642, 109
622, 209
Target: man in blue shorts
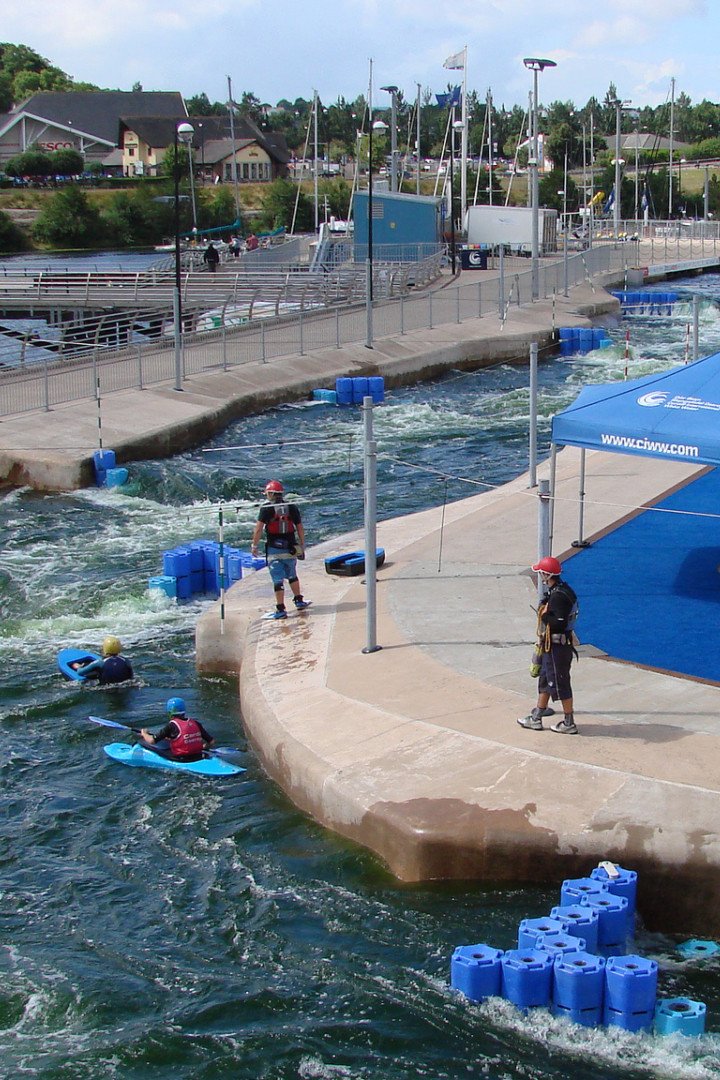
284, 545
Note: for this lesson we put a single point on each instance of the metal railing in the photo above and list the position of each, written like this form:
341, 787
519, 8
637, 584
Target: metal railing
146, 359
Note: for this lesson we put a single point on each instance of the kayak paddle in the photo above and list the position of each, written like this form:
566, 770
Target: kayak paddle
127, 727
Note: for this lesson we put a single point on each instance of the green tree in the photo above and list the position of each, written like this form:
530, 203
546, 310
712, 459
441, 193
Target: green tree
12, 238
134, 219
278, 207
66, 163
33, 163
68, 220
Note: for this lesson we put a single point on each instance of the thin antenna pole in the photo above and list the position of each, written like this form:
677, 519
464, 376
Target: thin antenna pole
231, 109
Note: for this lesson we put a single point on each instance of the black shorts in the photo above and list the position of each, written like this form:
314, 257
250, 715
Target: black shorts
555, 672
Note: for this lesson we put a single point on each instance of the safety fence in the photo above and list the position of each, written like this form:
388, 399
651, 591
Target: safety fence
145, 360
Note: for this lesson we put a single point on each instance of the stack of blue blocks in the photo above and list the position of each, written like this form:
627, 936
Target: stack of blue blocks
194, 569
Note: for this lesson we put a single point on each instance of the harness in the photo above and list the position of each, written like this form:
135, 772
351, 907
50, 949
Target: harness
545, 638
280, 530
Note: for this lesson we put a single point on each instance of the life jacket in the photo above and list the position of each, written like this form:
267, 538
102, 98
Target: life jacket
115, 669
544, 636
280, 529
189, 741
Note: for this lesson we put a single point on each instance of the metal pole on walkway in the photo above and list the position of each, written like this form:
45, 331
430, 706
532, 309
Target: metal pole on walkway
543, 547
370, 470
532, 453
696, 326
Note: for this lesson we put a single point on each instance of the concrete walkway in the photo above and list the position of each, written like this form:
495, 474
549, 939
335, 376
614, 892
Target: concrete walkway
414, 751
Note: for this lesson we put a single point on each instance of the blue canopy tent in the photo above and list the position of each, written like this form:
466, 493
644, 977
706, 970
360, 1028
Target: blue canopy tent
673, 414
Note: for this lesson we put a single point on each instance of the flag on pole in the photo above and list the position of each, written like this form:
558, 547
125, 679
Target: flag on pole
609, 204
446, 101
456, 61
644, 202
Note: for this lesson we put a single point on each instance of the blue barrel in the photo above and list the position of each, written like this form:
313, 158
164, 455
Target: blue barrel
577, 890
530, 929
163, 583
696, 949
209, 549
578, 988
376, 388
581, 920
612, 922
251, 562
184, 587
565, 333
630, 984
196, 555
585, 340
177, 562
234, 567
197, 581
359, 389
623, 884
527, 977
554, 942
344, 391
680, 1016
102, 461
475, 971
116, 477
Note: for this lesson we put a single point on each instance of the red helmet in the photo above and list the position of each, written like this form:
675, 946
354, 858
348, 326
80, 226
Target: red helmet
548, 565
274, 487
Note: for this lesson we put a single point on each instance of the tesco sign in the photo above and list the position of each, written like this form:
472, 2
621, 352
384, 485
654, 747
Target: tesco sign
57, 145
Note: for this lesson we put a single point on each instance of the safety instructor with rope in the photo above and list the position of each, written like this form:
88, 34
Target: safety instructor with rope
554, 650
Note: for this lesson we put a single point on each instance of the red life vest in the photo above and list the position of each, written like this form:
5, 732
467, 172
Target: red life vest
189, 741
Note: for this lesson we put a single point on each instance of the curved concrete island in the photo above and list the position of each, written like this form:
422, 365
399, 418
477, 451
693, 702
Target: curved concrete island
414, 751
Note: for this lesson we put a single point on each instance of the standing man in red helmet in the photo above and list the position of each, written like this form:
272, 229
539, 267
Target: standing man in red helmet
556, 622
284, 545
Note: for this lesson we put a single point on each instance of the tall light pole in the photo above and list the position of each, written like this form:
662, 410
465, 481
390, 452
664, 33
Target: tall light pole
393, 91
183, 131
377, 125
185, 134
535, 65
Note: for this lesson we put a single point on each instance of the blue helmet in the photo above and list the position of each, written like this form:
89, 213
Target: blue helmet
175, 706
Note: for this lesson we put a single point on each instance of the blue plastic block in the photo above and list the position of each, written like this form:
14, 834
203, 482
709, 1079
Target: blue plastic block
196, 555
635, 1021
631, 984
376, 388
680, 1016
344, 391
210, 549
102, 461
625, 884
359, 389
197, 581
177, 562
184, 587
612, 919
697, 949
163, 583
555, 942
576, 890
116, 477
234, 567
251, 562
564, 333
527, 977
585, 340
530, 929
578, 987
476, 971
581, 920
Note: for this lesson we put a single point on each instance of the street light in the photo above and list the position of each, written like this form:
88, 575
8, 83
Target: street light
618, 162
457, 125
377, 125
535, 65
185, 134
393, 91
681, 162
183, 131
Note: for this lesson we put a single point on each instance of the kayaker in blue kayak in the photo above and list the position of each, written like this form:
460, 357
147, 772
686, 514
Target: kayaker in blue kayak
182, 738
111, 667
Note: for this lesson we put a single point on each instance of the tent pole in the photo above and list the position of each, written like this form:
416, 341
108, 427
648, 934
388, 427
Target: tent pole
551, 514
580, 542
532, 454
696, 325
544, 546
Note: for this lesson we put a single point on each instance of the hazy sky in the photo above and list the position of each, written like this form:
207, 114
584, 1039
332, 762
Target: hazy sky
287, 49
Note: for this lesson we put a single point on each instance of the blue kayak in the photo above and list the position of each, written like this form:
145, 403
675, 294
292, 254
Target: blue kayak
138, 755
67, 657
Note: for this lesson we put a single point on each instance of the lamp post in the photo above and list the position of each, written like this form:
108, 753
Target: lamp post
535, 65
377, 125
618, 162
185, 134
457, 125
681, 162
393, 91
183, 131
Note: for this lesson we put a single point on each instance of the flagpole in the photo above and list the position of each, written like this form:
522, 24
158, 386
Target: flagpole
464, 144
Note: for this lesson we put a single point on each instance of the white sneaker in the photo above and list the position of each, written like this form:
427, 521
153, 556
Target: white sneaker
565, 727
532, 723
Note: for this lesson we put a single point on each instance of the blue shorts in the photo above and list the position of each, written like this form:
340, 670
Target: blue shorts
282, 569
555, 672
